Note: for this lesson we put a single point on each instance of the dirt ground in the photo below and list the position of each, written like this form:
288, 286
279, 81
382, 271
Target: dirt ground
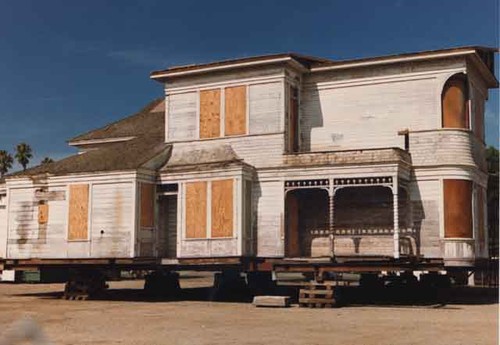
128, 317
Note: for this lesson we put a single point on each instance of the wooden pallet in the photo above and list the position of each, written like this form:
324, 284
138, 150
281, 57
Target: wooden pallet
318, 295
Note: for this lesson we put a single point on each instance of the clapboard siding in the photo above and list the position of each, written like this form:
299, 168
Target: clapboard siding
365, 116
26, 237
250, 149
268, 199
266, 108
425, 198
3, 224
447, 146
111, 219
225, 77
182, 118
209, 248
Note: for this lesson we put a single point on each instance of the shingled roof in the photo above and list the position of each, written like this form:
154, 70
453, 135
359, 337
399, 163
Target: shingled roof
148, 129
148, 121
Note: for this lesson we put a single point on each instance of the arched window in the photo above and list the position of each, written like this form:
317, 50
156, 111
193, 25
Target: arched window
454, 102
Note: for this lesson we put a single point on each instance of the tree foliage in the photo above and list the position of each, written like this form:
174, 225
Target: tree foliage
492, 195
23, 154
6, 162
46, 160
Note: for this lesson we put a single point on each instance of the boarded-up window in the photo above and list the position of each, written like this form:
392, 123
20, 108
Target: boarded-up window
293, 122
457, 208
210, 113
454, 103
78, 212
292, 226
43, 212
222, 208
235, 120
196, 210
147, 205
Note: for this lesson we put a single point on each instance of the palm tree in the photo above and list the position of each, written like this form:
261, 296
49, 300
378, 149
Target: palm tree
23, 154
47, 160
6, 161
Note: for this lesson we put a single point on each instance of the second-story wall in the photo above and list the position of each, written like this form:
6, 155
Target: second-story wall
367, 110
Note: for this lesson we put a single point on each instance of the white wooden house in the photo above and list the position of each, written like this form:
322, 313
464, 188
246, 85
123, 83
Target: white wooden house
271, 157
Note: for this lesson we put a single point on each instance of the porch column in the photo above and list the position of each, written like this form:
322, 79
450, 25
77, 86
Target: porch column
395, 206
331, 196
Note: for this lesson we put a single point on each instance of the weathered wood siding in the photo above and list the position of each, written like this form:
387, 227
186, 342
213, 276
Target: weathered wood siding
266, 108
426, 208
268, 198
26, 236
248, 109
3, 223
250, 149
360, 116
112, 219
446, 147
182, 116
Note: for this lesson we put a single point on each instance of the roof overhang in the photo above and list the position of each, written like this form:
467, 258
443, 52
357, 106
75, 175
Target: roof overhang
200, 69
99, 141
470, 52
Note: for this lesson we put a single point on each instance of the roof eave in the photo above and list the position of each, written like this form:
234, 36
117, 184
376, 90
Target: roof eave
161, 75
390, 60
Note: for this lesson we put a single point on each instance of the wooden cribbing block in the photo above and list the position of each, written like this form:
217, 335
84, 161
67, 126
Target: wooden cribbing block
271, 301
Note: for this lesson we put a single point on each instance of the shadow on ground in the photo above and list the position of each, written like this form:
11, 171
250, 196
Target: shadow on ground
347, 296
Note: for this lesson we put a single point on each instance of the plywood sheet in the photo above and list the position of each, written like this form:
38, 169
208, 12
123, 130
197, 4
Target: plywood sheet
196, 210
210, 113
292, 226
454, 103
222, 208
147, 205
78, 211
235, 120
457, 208
43, 213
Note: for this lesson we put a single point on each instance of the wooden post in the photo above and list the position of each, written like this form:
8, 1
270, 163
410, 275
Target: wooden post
331, 196
396, 218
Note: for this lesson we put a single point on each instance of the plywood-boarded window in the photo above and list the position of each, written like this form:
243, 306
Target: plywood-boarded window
196, 210
210, 113
43, 212
78, 212
457, 208
222, 208
455, 103
147, 205
235, 119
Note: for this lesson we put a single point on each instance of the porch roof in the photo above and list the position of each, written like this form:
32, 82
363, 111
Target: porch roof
202, 158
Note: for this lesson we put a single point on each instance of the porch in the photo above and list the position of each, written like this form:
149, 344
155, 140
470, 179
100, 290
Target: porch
349, 216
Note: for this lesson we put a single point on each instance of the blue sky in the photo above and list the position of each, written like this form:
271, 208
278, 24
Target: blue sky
70, 66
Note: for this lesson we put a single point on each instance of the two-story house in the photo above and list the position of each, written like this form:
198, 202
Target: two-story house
278, 156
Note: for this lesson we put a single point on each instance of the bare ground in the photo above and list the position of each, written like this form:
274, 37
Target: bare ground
127, 317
